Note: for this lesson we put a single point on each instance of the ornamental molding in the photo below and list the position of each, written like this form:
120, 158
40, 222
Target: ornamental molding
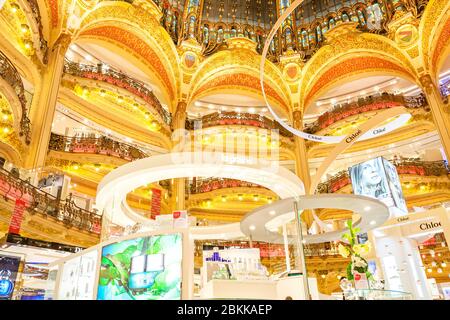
351, 45
117, 16
435, 12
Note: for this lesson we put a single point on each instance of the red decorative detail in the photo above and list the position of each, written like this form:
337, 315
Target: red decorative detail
17, 216
292, 72
351, 66
139, 46
156, 203
241, 80
328, 118
53, 4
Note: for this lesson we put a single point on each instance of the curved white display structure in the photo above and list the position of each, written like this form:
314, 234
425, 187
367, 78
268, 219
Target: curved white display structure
113, 189
260, 221
379, 131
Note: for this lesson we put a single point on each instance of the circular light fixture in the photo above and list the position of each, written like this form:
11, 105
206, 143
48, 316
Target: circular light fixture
367, 208
252, 228
272, 212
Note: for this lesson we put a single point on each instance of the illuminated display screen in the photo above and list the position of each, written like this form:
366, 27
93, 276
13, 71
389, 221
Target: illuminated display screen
147, 268
377, 178
9, 267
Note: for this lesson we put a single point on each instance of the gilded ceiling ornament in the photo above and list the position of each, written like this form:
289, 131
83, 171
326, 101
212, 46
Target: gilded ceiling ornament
406, 35
432, 16
353, 45
239, 80
351, 66
237, 61
442, 43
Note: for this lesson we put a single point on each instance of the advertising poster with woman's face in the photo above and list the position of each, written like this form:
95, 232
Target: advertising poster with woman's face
377, 178
395, 186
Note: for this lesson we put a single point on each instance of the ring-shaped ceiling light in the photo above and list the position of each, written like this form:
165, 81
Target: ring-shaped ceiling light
384, 129
259, 223
114, 187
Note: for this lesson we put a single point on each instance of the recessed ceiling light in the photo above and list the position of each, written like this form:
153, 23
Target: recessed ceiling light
272, 212
252, 227
367, 208
251, 110
373, 222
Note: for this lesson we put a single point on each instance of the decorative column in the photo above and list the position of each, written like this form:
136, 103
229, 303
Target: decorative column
44, 103
177, 202
301, 162
441, 117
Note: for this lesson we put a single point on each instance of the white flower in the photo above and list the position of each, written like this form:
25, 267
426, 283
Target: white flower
358, 262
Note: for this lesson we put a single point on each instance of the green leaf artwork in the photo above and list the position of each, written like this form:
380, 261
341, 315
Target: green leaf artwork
146, 268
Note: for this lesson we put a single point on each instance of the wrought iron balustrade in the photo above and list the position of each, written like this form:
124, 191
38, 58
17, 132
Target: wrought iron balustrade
414, 167
95, 145
365, 104
36, 200
10, 74
119, 79
43, 45
210, 184
234, 118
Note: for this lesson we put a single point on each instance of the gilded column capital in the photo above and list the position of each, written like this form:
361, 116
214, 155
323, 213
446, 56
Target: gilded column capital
62, 42
427, 83
298, 117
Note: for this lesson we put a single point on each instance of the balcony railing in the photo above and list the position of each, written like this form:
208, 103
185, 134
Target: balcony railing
414, 167
119, 79
10, 74
370, 103
37, 17
95, 145
39, 201
210, 184
321, 249
234, 118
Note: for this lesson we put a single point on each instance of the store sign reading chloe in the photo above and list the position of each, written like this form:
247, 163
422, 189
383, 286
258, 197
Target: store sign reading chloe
429, 225
353, 136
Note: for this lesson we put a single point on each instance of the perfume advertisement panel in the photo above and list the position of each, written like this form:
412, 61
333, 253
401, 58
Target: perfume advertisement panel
147, 268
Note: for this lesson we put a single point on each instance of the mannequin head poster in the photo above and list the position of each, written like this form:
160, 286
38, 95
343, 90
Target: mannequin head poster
377, 178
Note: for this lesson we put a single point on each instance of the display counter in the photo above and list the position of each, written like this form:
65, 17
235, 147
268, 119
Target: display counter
277, 289
235, 289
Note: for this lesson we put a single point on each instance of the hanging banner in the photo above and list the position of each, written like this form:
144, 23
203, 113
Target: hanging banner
156, 204
17, 217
